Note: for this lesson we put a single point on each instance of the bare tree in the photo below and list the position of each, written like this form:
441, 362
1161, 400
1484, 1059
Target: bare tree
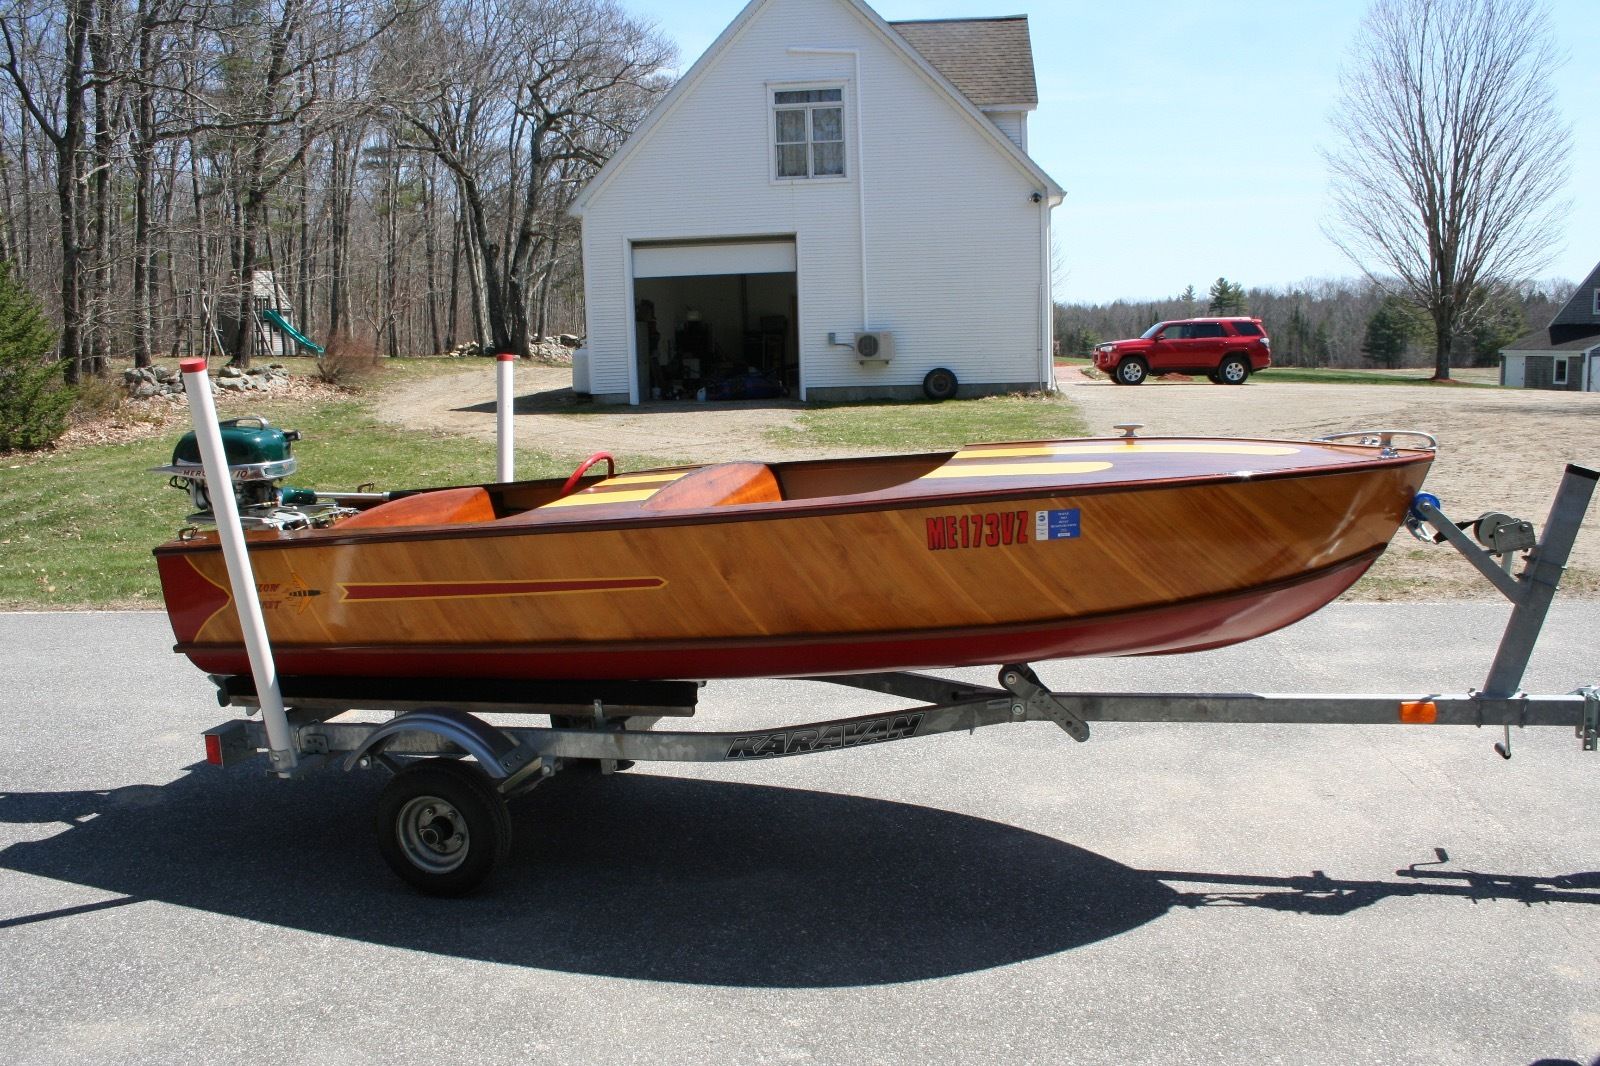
48, 64
521, 101
1448, 152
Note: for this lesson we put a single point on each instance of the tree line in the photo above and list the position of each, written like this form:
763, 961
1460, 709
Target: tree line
1328, 322
403, 168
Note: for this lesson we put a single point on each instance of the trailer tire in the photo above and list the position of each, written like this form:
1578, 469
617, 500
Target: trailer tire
441, 827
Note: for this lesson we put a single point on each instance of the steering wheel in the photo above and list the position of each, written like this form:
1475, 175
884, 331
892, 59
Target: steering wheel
583, 468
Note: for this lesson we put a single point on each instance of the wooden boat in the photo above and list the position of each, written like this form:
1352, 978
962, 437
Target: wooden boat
996, 553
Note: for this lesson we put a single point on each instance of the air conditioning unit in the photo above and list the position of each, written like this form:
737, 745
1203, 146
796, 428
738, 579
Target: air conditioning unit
874, 347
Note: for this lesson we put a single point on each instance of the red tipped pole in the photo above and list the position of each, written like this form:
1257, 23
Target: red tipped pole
230, 531
504, 400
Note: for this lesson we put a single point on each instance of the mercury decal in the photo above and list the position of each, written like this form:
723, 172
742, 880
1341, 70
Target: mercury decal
825, 738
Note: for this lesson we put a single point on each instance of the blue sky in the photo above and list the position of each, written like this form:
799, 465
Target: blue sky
1187, 135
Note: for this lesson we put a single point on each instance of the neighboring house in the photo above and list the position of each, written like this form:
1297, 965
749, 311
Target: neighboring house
1566, 355
819, 174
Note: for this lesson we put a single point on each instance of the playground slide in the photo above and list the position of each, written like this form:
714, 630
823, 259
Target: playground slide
271, 315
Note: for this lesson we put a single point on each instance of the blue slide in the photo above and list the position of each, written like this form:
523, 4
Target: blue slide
272, 315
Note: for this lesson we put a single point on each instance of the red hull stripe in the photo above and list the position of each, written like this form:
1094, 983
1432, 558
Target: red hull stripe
455, 590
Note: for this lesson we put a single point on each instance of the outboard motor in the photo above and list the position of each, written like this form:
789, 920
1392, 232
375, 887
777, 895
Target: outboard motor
259, 456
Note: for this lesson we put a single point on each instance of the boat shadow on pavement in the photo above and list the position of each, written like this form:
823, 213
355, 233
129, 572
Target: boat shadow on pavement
665, 878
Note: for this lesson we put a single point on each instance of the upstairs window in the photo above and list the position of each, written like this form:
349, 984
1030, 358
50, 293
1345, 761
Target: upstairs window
808, 129
1597, 301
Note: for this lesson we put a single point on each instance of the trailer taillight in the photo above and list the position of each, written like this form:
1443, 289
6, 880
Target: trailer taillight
213, 749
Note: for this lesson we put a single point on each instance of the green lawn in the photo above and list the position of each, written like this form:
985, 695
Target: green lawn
923, 425
77, 526
1326, 376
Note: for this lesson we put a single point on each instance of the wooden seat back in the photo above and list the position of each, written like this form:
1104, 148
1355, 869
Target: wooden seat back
718, 486
441, 507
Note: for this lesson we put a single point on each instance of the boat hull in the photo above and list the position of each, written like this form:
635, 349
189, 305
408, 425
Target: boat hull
818, 587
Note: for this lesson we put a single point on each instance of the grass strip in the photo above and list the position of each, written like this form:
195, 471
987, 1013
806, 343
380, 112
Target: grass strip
924, 425
1327, 376
77, 526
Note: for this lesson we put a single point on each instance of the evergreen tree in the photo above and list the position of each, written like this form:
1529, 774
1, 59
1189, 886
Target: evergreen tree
1500, 322
34, 398
1227, 298
1390, 332
1077, 340
1188, 298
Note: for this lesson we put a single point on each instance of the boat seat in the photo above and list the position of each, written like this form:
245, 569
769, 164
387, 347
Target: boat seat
441, 507
718, 486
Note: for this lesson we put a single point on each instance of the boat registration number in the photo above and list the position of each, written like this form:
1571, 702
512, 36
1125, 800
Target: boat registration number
979, 529
997, 529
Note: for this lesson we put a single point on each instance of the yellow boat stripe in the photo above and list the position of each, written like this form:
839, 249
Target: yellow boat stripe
1014, 469
1152, 448
641, 479
584, 499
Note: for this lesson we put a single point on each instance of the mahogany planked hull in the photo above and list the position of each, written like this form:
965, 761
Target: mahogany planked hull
980, 559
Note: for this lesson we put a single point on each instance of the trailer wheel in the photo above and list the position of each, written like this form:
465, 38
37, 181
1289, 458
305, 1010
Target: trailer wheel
441, 827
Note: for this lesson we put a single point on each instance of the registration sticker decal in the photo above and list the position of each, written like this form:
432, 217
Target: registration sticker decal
1057, 525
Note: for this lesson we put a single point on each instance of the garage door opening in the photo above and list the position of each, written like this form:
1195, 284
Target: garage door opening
715, 320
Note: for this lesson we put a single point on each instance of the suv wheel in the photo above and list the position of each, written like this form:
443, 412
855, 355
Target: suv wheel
1233, 371
1131, 372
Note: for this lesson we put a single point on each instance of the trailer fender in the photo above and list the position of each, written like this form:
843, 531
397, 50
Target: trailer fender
498, 755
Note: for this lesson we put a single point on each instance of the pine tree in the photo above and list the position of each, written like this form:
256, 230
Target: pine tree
1227, 298
34, 398
1390, 332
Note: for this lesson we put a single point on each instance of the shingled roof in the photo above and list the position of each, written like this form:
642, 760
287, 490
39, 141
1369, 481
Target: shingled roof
1578, 317
990, 60
1575, 328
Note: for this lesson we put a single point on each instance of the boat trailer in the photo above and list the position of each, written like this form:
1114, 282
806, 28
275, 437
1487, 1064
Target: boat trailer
442, 819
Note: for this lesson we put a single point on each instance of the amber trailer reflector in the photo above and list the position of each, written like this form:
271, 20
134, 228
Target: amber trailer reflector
1419, 713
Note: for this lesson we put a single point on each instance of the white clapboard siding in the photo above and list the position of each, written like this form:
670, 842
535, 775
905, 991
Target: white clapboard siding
954, 264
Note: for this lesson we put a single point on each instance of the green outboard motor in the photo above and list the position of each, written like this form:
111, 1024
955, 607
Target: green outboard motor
260, 455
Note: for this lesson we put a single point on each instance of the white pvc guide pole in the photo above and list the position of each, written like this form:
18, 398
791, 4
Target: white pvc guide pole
505, 362
219, 488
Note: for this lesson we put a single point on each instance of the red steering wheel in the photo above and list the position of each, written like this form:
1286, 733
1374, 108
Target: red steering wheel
583, 468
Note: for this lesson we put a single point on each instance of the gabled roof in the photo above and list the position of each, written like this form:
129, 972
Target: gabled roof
1579, 310
989, 59
665, 106
1575, 328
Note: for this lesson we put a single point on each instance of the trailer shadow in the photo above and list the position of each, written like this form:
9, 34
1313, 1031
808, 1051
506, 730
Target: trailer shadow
662, 878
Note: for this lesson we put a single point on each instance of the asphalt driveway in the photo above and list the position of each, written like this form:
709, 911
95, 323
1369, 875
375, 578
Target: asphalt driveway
1160, 894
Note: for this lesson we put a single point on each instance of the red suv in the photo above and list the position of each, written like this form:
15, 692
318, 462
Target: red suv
1226, 350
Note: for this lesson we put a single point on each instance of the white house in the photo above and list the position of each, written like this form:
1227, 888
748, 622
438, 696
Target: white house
829, 201
1566, 354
